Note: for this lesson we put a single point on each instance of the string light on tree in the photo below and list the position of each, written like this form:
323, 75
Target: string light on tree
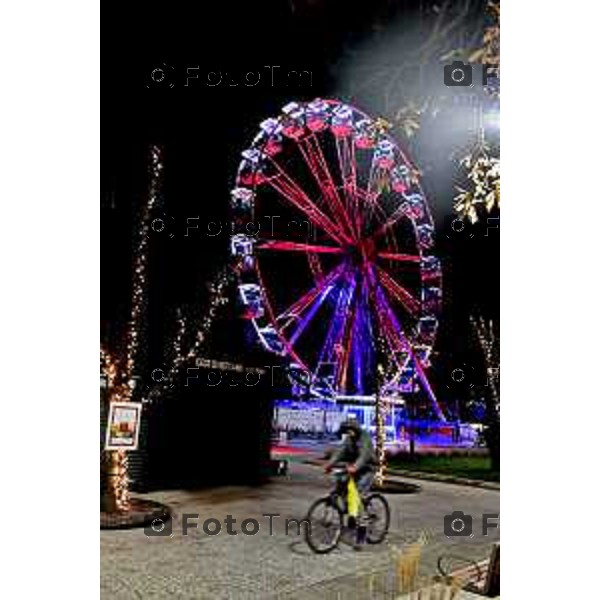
108, 368
218, 297
138, 304
115, 460
118, 480
488, 342
379, 417
181, 327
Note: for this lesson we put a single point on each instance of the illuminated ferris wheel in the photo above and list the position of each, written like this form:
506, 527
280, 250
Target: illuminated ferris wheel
333, 247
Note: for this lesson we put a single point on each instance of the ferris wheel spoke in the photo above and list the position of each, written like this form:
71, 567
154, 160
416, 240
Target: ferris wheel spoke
287, 246
398, 292
362, 335
313, 156
377, 177
348, 344
391, 220
380, 309
315, 266
389, 324
369, 212
379, 173
410, 258
333, 350
293, 193
298, 199
343, 344
316, 304
296, 309
347, 164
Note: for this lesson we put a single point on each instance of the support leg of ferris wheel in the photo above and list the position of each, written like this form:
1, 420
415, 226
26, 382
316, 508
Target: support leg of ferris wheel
425, 382
388, 314
337, 331
422, 376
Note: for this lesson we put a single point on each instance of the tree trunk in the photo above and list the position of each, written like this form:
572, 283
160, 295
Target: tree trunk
492, 429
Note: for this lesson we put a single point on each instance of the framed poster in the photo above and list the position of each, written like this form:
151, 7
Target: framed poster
123, 427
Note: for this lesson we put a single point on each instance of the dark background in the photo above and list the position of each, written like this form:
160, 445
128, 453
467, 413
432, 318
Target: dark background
351, 50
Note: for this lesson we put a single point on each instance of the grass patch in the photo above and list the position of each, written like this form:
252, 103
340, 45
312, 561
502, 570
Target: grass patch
470, 467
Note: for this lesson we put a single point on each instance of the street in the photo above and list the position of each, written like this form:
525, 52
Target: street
224, 566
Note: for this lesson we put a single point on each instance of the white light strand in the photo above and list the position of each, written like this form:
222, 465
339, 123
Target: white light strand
138, 303
218, 297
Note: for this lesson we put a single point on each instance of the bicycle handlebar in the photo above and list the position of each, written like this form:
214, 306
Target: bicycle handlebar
339, 471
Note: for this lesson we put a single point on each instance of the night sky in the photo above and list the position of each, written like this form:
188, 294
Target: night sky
204, 128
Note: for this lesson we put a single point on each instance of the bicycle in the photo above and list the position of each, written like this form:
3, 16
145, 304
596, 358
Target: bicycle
326, 517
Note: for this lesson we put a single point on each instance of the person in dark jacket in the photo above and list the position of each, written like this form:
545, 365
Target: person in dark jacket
357, 454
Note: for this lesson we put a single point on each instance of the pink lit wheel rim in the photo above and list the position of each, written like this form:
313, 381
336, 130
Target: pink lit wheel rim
333, 243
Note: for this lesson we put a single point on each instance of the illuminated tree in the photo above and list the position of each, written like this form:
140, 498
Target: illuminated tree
489, 343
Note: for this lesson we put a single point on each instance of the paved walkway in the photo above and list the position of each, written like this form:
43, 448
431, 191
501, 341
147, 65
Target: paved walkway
243, 567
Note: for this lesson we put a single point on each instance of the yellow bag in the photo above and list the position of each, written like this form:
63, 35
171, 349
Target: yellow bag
354, 501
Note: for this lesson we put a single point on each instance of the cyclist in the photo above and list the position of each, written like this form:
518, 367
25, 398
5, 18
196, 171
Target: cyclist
357, 454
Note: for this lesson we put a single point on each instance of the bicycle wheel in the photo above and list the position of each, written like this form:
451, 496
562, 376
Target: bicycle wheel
326, 522
378, 513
